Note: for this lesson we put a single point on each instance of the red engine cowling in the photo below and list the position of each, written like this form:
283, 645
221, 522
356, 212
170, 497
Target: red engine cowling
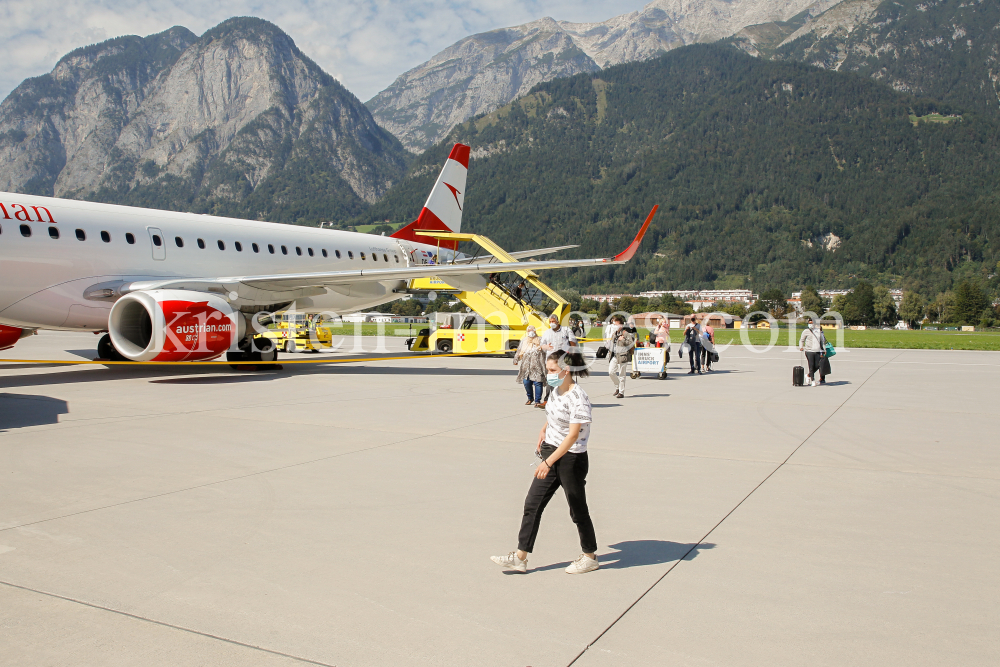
10, 335
174, 325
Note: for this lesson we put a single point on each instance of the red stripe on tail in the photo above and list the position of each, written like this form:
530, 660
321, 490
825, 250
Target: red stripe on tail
427, 222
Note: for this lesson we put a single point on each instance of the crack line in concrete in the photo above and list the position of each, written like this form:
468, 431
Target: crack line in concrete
728, 514
167, 625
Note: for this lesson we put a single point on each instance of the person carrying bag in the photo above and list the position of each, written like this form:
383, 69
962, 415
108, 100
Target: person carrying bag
621, 346
692, 340
813, 343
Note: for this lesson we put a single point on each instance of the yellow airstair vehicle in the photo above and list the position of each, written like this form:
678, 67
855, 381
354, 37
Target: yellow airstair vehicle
505, 307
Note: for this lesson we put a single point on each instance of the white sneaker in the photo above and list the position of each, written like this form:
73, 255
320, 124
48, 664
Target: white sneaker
814, 383
511, 562
583, 564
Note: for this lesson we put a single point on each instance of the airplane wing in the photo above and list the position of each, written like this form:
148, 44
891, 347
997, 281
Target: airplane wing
520, 254
284, 282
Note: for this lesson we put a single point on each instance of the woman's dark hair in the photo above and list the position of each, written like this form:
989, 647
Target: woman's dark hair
573, 361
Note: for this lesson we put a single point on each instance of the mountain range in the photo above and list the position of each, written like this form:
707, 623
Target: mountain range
485, 71
814, 142
767, 173
944, 50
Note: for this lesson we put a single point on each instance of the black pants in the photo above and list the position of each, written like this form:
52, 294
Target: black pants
695, 357
815, 360
706, 357
569, 472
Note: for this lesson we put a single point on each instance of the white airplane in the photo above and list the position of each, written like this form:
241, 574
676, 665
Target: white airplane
169, 286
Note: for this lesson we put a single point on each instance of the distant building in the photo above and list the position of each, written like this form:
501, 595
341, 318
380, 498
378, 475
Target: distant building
828, 294
387, 318
604, 298
707, 295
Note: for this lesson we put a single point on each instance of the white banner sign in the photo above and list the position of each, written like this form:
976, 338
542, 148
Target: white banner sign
650, 359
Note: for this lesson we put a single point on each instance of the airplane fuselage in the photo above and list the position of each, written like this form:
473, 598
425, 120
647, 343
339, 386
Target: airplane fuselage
53, 250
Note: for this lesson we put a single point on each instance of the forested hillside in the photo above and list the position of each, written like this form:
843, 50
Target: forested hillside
767, 173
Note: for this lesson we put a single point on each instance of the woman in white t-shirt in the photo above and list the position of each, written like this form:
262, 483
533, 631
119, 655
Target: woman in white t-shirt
562, 446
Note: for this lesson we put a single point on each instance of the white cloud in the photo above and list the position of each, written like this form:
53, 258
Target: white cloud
366, 44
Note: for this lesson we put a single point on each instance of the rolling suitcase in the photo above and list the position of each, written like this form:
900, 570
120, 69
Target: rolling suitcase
798, 376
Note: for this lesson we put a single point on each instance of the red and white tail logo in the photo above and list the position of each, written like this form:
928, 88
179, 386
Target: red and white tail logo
443, 210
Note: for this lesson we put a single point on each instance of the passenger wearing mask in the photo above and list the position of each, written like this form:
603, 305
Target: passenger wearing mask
530, 360
621, 344
692, 338
813, 343
557, 337
562, 448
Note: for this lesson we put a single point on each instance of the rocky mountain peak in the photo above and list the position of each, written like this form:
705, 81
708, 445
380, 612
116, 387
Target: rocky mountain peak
484, 72
141, 119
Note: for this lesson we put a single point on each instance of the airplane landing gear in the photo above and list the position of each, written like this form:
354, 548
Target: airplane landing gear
106, 350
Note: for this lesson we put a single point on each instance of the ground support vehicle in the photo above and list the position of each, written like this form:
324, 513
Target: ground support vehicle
507, 301
298, 332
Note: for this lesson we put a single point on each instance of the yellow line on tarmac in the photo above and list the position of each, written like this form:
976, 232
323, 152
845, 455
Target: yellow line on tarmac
82, 362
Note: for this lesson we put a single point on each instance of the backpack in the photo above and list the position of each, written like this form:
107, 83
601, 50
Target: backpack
691, 336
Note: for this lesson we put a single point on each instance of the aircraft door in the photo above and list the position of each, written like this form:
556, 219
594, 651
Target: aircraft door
411, 255
158, 243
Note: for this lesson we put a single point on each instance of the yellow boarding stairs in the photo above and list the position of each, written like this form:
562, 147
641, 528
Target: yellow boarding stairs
506, 307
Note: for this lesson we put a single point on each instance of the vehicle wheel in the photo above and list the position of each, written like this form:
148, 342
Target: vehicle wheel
106, 349
635, 375
290, 346
269, 355
663, 376
237, 356
444, 346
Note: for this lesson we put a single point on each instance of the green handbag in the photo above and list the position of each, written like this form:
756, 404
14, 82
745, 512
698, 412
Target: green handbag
830, 349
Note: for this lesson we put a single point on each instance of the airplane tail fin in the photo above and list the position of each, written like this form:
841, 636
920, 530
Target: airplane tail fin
442, 211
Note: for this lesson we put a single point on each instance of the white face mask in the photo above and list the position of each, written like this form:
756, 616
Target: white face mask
531, 334
812, 326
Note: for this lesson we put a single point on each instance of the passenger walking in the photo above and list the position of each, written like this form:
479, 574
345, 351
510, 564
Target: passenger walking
692, 338
621, 344
557, 337
562, 448
813, 343
530, 359
707, 332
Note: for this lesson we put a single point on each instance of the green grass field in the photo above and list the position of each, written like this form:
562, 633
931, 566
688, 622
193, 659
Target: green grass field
373, 329
874, 338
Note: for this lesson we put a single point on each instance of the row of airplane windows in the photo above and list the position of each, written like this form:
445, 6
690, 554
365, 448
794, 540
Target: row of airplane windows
179, 242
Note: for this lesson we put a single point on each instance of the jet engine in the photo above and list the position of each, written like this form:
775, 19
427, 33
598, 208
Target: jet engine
10, 335
174, 325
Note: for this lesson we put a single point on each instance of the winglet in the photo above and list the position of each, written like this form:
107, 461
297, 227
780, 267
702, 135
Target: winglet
629, 252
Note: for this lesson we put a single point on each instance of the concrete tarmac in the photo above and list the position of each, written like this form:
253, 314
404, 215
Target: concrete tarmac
345, 515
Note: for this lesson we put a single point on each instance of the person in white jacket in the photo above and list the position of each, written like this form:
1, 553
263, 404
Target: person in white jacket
813, 343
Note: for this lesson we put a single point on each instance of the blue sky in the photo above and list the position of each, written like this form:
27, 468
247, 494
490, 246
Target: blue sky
365, 43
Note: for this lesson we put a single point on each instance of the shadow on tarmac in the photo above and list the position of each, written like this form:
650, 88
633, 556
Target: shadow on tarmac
638, 553
219, 374
21, 410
